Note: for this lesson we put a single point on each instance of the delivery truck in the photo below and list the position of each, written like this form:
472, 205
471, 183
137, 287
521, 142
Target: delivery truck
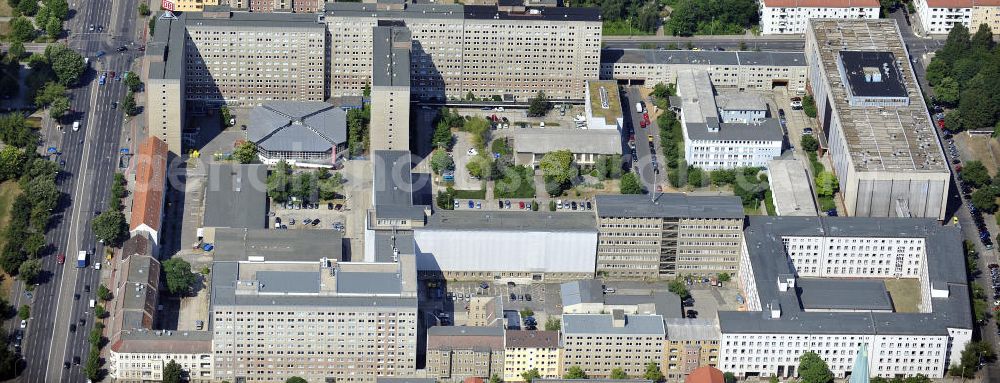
81, 259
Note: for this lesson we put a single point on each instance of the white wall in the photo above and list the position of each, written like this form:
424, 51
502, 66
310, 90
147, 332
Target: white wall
510, 251
711, 155
781, 20
940, 20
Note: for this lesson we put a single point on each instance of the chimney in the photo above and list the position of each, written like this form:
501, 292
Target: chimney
785, 282
775, 309
618, 318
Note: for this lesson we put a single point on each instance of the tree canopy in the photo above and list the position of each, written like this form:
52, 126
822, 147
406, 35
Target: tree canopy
245, 152
172, 372
67, 63
110, 227
180, 278
538, 105
813, 369
711, 17
629, 184
559, 166
575, 372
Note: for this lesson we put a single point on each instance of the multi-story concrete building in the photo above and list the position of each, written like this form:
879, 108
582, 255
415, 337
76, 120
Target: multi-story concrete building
266, 6
455, 353
192, 5
790, 16
527, 350
513, 52
727, 70
938, 16
691, 343
711, 142
668, 235
390, 88
599, 343
142, 355
219, 57
821, 284
881, 141
313, 317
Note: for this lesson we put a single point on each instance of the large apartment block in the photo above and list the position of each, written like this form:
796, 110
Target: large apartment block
513, 52
880, 137
215, 57
318, 320
822, 284
790, 16
669, 235
599, 343
390, 88
939, 16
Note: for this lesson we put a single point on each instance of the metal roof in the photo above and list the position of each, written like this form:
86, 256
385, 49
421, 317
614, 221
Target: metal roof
669, 205
582, 324
277, 245
368, 283
682, 329
579, 141
236, 196
288, 282
843, 294
297, 126
582, 291
391, 56
471, 220
717, 58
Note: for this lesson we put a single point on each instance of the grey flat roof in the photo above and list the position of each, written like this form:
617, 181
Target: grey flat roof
843, 294
277, 245
580, 141
297, 126
767, 130
873, 74
166, 50
465, 331
945, 264
678, 57
368, 283
236, 196
791, 188
583, 291
280, 20
390, 62
582, 324
535, 14
679, 329
393, 181
457, 11
465, 220
665, 303
303, 282
669, 205
384, 243
741, 101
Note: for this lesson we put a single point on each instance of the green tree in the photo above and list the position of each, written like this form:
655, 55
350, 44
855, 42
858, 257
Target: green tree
538, 105
172, 372
985, 200
809, 143
27, 7
630, 184
49, 94
12, 161
330, 186
24, 312
530, 375
246, 152
730, 377
226, 116
15, 52
103, 293
575, 372
277, 182
559, 166
303, 186
947, 91
180, 278
982, 40
92, 367
661, 90
57, 8
445, 199
33, 245
975, 174
826, 184
14, 130
527, 312
59, 107
132, 81
480, 129
53, 28
724, 277
676, 286
937, 70
653, 372
813, 369
441, 161
143, 10
295, 379
110, 227
100, 311
20, 29
618, 373
696, 176
495, 379
30, 270
129, 106
67, 64
552, 324
975, 352
809, 106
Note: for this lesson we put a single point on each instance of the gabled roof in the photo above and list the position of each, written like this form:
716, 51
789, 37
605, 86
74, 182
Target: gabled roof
821, 3
150, 177
306, 126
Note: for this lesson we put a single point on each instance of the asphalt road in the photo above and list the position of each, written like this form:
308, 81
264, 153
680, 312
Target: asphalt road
90, 156
647, 175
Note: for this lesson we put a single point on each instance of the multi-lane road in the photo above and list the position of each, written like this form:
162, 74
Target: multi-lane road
91, 157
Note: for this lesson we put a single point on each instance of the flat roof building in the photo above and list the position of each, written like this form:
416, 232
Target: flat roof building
790, 16
668, 234
791, 188
816, 284
252, 294
881, 141
530, 145
309, 132
739, 70
236, 196
507, 245
263, 245
390, 87
598, 343
603, 106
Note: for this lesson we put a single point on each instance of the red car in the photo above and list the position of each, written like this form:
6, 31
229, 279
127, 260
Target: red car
642, 124
61, 258
520, 205
940, 123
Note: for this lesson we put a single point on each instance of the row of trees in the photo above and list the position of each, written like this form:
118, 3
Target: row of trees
640, 15
357, 130
282, 184
966, 73
110, 227
51, 73
986, 188
711, 17
47, 18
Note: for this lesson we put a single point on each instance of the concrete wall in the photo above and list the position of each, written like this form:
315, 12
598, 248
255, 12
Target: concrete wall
390, 122
165, 111
505, 251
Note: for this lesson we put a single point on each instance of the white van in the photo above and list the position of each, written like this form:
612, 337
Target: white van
93, 303
76, 125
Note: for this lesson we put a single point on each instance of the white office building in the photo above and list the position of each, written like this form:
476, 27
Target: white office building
729, 70
711, 142
820, 284
790, 16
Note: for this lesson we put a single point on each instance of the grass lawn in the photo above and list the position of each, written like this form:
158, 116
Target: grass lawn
8, 191
905, 294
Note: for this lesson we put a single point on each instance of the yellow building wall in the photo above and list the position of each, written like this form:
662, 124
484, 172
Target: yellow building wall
986, 15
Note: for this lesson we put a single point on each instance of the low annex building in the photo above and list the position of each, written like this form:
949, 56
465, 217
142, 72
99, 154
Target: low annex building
737, 70
150, 189
298, 132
